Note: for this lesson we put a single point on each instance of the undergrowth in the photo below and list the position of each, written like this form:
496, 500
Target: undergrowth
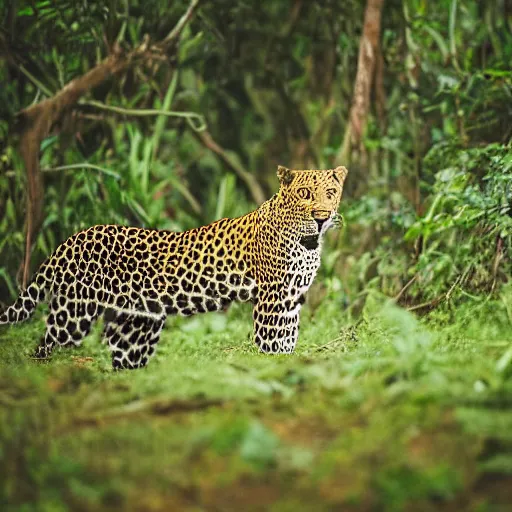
387, 412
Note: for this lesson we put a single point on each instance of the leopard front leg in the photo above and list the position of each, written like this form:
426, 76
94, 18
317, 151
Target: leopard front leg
276, 322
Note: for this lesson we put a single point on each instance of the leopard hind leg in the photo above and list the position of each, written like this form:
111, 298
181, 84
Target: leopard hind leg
69, 322
132, 338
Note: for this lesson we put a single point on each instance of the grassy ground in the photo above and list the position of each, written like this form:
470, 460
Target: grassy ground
386, 414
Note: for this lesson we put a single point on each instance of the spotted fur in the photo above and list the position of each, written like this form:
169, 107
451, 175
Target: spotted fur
136, 277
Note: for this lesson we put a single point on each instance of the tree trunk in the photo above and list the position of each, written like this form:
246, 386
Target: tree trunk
352, 150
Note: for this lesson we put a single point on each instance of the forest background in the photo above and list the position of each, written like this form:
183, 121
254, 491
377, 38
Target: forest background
171, 114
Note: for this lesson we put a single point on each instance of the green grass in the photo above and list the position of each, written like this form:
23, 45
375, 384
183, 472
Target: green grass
388, 413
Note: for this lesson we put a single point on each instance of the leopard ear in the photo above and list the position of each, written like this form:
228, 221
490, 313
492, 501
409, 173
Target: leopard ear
340, 173
285, 175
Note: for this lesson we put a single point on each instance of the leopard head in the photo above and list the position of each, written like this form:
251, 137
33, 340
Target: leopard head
312, 196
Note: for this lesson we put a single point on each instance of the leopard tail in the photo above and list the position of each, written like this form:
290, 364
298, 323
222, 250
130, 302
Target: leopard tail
27, 301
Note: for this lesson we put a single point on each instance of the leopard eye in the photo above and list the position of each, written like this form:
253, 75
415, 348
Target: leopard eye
304, 193
331, 192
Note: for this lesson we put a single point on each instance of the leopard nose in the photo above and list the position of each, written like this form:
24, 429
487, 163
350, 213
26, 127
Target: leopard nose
320, 218
320, 223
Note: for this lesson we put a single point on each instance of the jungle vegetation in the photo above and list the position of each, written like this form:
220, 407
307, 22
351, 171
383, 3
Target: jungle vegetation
171, 114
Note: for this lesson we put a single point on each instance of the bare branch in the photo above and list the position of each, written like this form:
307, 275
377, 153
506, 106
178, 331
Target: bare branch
34, 80
189, 116
175, 33
250, 181
72, 167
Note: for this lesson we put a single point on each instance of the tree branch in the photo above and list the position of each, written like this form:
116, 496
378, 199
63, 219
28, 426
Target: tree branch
250, 181
175, 33
189, 116
73, 167
36, 122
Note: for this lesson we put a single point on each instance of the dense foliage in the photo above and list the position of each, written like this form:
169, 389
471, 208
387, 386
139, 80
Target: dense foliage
388, 414
381, 408
273, 82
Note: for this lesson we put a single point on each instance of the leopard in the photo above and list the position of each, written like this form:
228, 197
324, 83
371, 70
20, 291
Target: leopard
134, 278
